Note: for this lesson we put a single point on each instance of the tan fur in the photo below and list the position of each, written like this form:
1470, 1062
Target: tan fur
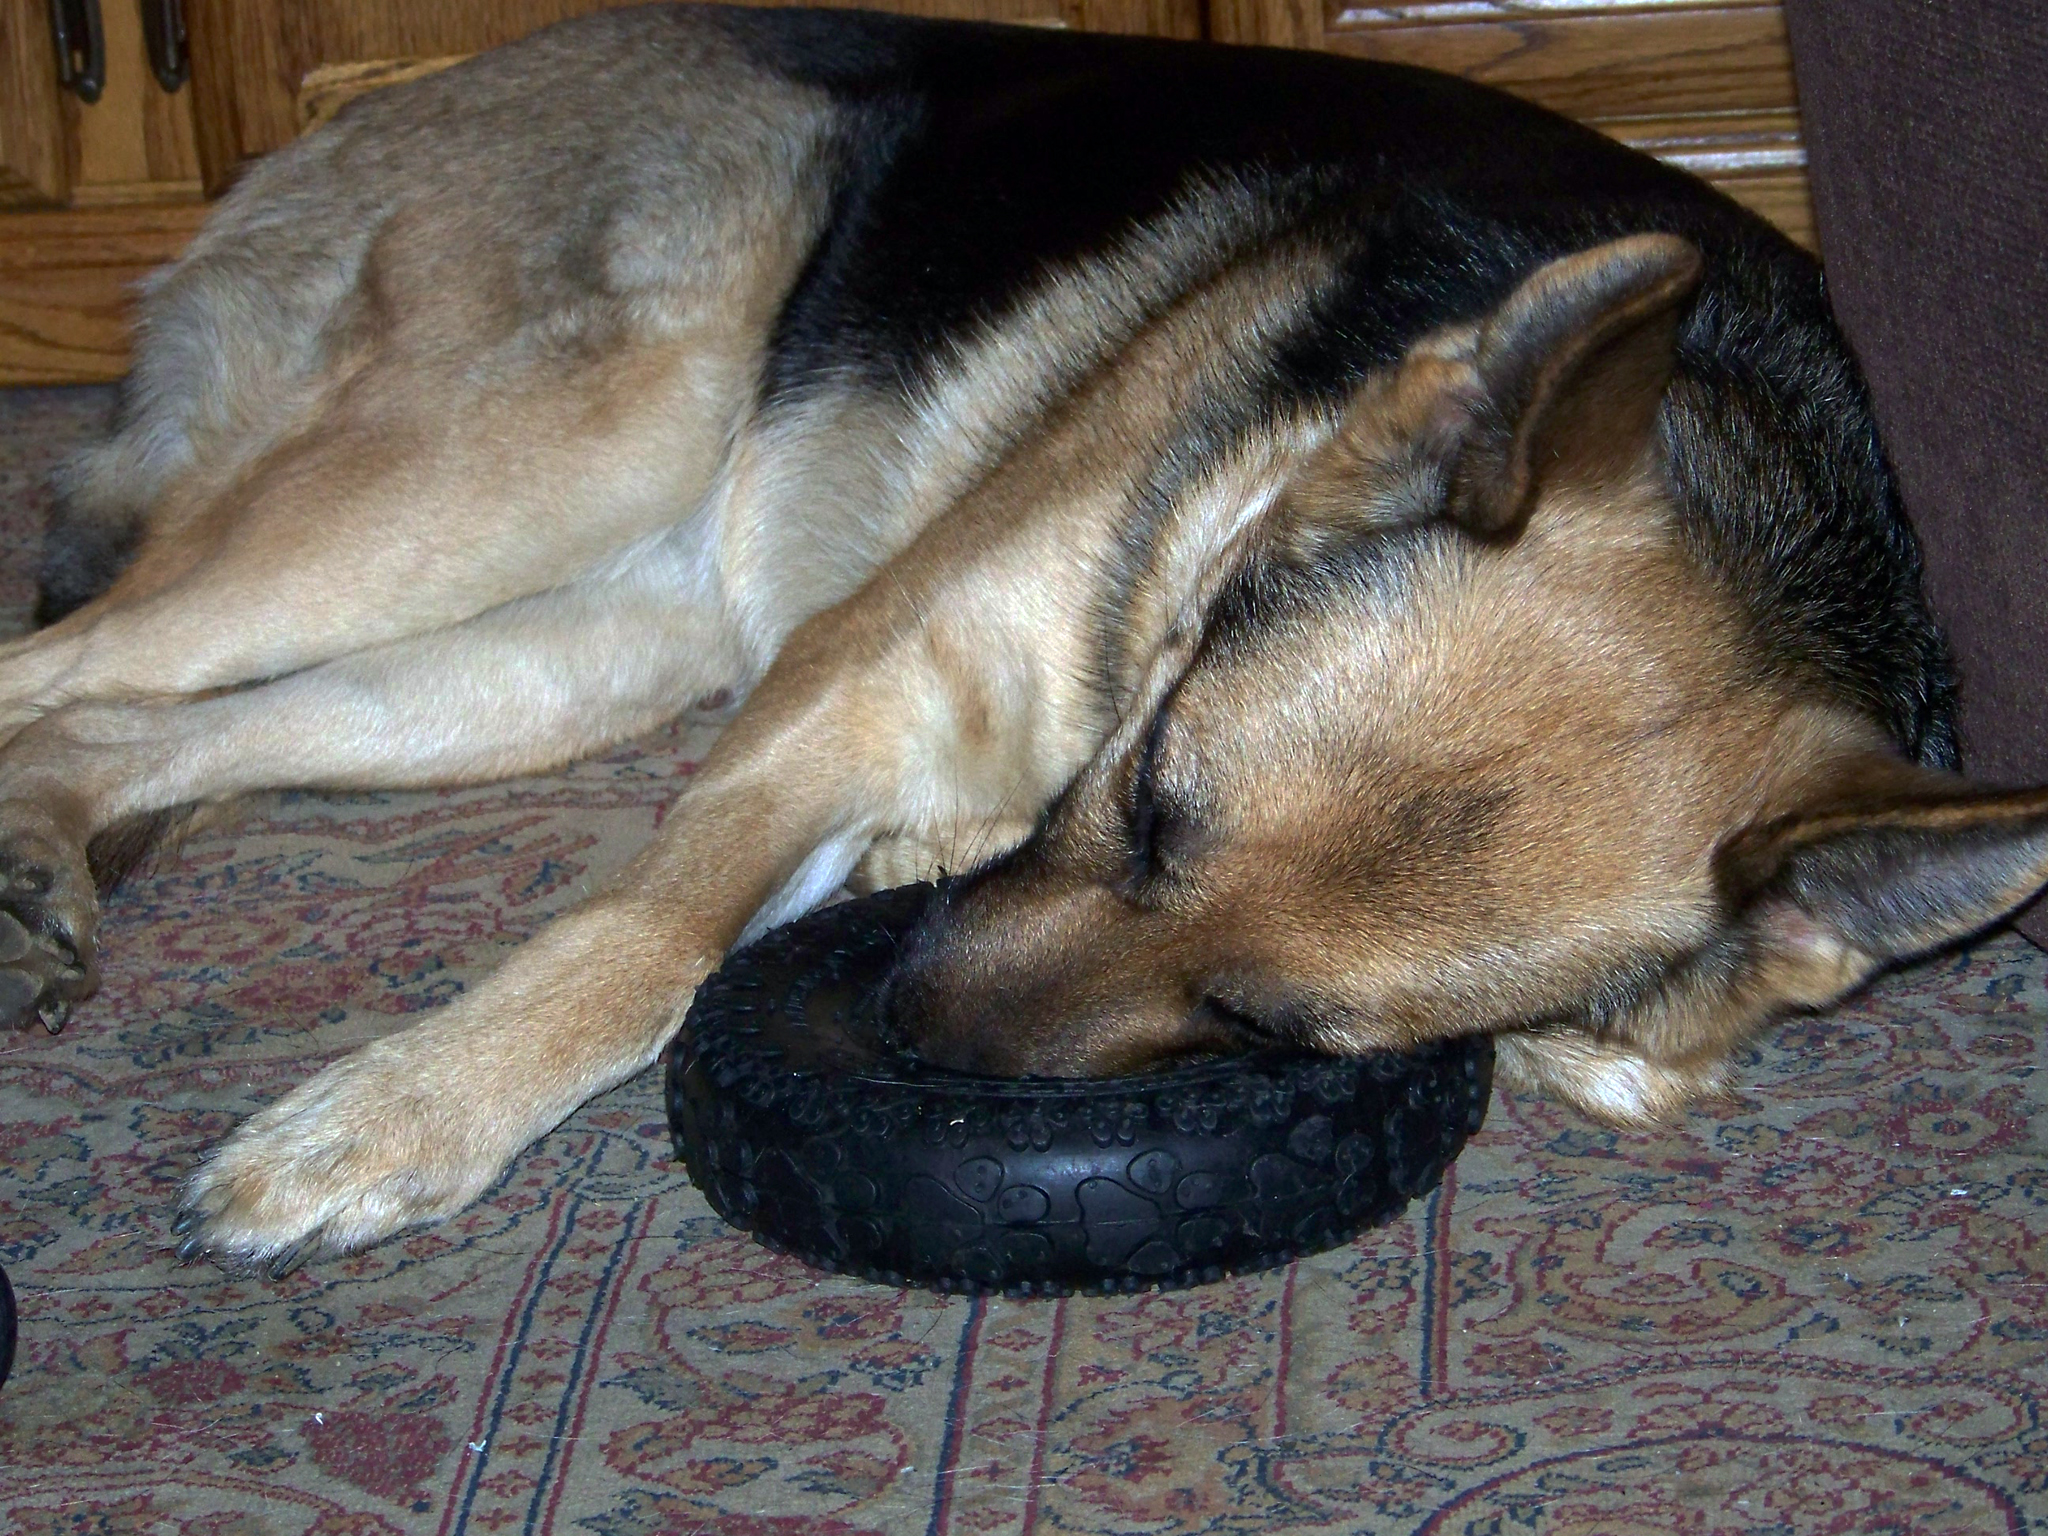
428, 504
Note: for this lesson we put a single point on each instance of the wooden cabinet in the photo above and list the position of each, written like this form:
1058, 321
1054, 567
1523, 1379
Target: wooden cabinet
134, 145
264, 70
1706, 84
92, 197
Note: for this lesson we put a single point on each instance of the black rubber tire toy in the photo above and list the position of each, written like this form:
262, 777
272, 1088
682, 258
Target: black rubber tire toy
805, 1127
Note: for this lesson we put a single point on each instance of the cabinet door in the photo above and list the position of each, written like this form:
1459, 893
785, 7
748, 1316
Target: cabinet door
133, 145
92, 197
32, 161
1706, 84
265, 70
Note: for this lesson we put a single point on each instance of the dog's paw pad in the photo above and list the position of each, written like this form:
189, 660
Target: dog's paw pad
22, 877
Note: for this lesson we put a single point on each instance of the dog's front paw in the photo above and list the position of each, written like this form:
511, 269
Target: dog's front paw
48, 916
368, 1147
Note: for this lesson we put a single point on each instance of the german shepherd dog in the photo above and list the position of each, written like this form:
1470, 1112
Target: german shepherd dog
1331, 554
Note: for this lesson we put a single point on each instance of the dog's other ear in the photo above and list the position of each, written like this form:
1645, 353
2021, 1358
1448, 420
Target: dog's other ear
1890, 861
1571, 368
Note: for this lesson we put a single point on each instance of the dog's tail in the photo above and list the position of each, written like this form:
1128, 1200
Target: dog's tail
93, 533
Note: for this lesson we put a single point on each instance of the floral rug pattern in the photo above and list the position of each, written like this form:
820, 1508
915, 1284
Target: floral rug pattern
1819, 1309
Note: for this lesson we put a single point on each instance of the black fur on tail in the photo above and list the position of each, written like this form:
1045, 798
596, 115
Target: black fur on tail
118, 851
82, 554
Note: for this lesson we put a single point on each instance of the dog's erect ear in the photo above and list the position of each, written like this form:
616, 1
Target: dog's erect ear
1890, 862
1571, 368
1562, 379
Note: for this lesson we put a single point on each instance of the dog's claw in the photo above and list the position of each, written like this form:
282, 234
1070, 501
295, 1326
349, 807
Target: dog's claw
284, 1263
191, 1224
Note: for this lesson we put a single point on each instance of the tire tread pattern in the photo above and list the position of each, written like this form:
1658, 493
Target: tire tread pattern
807, 1126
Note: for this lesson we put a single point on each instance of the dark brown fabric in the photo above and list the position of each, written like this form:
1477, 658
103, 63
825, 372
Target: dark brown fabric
1926, 124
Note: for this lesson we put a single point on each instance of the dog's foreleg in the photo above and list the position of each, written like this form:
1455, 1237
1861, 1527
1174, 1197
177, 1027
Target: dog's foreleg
1608, 1081
415, 1126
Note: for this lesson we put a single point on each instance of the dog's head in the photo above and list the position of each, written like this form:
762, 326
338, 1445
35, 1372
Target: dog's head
1475, 734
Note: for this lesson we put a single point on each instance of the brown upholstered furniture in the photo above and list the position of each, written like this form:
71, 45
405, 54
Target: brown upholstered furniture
1928, 130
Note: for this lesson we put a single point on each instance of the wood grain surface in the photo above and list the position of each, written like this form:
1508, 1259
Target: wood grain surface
33, 166
67, 286
136, 143
1705, 85
1665, 59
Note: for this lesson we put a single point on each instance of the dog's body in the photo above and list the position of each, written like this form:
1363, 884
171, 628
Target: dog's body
1348, 556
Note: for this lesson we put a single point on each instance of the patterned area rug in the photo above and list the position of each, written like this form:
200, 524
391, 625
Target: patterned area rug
1820, 1309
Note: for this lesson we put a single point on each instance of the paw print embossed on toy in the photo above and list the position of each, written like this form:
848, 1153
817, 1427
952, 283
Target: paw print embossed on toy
805, 1122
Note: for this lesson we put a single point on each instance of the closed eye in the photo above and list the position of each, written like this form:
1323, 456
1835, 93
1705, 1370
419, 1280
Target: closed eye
1249, 1030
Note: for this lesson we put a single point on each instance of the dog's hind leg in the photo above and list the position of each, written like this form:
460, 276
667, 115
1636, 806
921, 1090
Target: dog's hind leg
391, 511
528, 686
368, 527
364, 409
372, 524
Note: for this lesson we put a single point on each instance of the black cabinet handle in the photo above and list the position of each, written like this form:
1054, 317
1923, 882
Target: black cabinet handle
163, 33
81, 47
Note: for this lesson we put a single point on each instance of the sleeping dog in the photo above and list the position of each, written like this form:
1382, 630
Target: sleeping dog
1326, 553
